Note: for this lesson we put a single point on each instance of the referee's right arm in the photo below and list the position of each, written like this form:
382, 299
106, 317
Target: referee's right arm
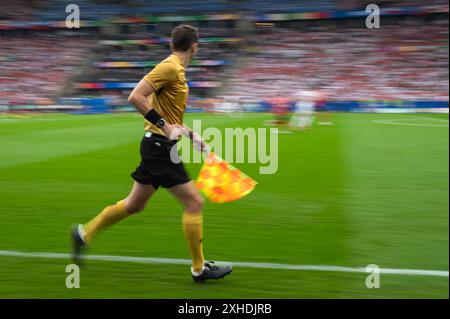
139, 95
162, 74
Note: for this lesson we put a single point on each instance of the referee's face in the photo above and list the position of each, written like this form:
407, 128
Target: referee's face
194, 49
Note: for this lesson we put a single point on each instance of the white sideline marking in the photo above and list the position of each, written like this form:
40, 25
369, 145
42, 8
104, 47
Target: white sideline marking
398, 122
432, 118
173, 261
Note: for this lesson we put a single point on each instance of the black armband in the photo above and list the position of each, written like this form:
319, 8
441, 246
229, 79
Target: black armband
152, 116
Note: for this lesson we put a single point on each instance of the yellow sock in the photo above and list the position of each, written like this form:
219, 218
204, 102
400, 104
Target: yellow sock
109, 216
192, 226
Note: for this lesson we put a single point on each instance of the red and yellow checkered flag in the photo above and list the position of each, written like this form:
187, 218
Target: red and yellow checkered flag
221, 182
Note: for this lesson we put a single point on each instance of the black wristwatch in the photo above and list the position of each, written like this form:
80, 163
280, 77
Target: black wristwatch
160, 123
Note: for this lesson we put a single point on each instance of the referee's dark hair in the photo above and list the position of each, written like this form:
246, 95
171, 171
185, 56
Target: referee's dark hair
183, 37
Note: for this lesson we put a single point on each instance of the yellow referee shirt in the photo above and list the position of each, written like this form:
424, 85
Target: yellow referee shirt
169, 82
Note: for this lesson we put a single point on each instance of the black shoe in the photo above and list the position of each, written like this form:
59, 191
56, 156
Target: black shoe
78, 245
211, 271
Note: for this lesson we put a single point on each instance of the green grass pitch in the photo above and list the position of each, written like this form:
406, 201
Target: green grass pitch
357, 193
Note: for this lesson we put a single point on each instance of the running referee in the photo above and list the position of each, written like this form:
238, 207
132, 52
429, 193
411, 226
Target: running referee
161, 97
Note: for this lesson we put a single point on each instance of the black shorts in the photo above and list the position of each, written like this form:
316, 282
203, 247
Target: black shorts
156, 167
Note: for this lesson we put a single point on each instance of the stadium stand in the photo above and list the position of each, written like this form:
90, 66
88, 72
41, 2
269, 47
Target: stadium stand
35, 68
403, 62
23, 10
92, 10
406, 60
121, 62
103, 9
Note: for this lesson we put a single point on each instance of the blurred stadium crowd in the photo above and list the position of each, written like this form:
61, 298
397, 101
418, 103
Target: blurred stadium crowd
36, 68
402, 61
406, 59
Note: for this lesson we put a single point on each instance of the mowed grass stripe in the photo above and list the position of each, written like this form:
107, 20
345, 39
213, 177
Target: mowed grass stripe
48, 122
43, 145
397, 192
35, 142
